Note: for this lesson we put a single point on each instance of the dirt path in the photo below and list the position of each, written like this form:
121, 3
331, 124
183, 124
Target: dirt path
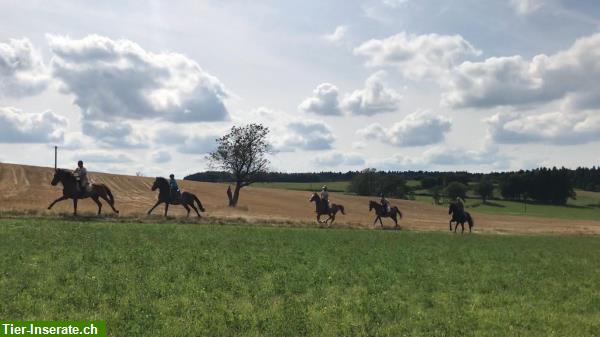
27, 188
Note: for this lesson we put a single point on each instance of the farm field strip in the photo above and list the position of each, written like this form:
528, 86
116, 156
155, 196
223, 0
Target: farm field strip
28, 189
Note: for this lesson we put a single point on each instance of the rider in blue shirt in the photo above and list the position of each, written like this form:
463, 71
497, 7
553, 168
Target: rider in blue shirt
174, 188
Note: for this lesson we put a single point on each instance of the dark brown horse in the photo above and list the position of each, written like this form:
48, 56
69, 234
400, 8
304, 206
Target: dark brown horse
320, 209
394, 213
459, 216
164, 195
70, 191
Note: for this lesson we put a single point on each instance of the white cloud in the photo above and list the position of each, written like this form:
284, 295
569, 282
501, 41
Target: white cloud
119, 134
373, 99
22, 71
186, 142
417, 57
488, 155
114, 79
525, 7
161, 156
17, 126
103, 157
339, 159
571, 74
338, 35
562, 128
417, 129
305, 135
324, 101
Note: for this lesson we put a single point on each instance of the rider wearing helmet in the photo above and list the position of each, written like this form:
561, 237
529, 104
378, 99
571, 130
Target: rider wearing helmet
325, 198
80, 174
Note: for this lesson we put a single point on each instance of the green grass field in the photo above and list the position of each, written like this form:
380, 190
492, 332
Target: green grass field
228, 280
585, 207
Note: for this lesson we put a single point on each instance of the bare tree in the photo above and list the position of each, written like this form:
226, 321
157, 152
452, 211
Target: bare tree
242, 152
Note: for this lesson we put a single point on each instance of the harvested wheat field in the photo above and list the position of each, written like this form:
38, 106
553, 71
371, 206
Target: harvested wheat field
27, 189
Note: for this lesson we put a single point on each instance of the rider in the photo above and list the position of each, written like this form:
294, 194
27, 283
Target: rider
325, 198
174, 188
385, 203
460, 203
80, 174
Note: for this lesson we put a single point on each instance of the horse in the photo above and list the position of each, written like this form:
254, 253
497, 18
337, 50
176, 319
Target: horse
394, 213
164, 195
460, 216
70, 191
331, 212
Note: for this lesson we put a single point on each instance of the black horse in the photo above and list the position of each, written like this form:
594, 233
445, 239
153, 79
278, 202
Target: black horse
164, 195
70, 191
394, 213
320, 209
459, 216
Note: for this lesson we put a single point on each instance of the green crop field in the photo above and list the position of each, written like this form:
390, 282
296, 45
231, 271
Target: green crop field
169, 279
585, 207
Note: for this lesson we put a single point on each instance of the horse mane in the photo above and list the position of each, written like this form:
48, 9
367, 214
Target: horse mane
162, 179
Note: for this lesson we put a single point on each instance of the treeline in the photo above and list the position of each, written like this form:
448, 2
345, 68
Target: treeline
553, 186
544, 185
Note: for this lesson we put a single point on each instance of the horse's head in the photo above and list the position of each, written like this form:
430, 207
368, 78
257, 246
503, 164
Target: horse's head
158, 183
315, 197
451, 208
59, 176
372, 205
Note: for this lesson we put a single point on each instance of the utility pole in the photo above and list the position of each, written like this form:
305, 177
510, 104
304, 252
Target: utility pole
55, 157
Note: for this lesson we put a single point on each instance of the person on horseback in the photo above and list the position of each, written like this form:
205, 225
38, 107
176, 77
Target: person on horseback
460, 203
175, 192
80, 174
385, 203
325, 198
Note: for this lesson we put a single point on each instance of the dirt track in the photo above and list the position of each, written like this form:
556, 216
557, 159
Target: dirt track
27, 188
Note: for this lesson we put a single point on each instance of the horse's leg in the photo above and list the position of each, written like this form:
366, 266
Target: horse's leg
381, 222
319, 217
110, 203
450, 224
153, 207
166, 208
462, 225
195, 209
187, 209
95, 198
395, 220
74, 206
374, 222
332, 217
57, 200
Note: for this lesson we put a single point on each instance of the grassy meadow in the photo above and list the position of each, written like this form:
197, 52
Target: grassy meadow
167, 279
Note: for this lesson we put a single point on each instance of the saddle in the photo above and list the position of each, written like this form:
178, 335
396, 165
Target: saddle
175, 197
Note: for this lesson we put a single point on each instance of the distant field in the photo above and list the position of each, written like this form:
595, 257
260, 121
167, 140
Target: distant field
333, 186
209, 280
585, 207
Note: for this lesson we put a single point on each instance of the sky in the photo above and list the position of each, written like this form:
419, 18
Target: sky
147, 86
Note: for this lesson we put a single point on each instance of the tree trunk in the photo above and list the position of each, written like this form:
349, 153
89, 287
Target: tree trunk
236, 194
230, 196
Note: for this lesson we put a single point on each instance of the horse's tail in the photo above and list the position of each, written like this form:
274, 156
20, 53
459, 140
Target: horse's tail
111, 198
399, 213
198, 202
342, 209
470, 219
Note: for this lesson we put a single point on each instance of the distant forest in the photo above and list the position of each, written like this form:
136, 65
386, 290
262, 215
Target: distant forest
546, 185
